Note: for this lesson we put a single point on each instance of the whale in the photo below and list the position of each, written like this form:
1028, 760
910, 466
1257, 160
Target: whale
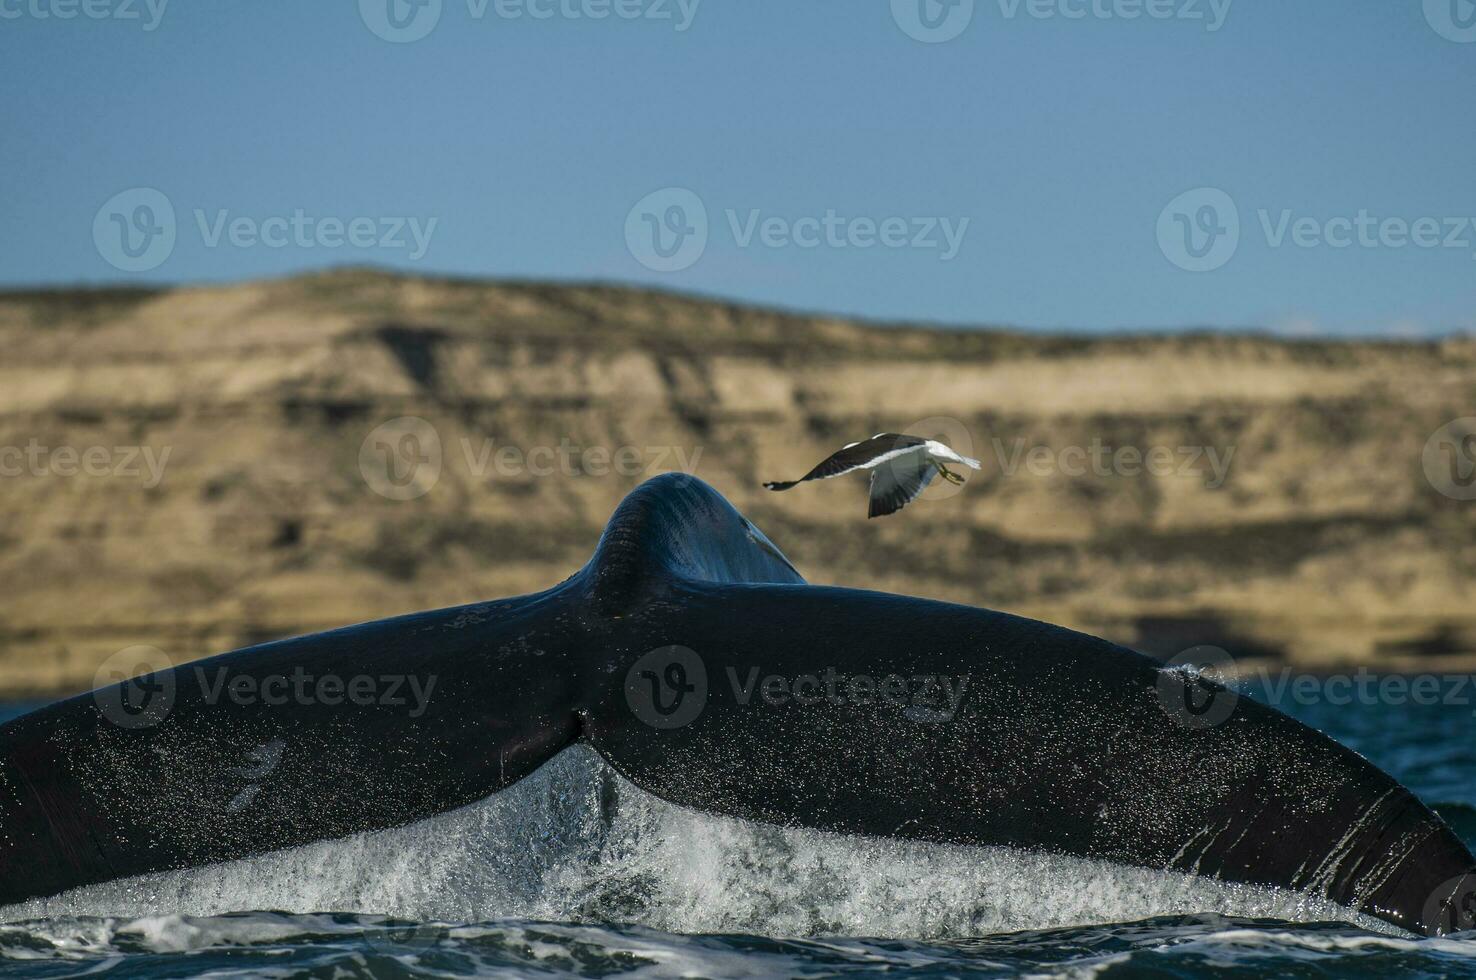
693, 657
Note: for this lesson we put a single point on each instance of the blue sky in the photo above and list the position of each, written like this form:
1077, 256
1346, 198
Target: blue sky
1027, 165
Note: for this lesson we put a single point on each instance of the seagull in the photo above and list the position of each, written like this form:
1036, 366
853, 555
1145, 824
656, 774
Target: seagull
911, 463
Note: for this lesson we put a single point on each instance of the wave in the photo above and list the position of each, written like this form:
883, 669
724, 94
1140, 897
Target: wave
284, 945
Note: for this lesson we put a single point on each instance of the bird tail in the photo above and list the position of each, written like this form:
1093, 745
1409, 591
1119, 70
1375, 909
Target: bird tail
781, 484
972, 464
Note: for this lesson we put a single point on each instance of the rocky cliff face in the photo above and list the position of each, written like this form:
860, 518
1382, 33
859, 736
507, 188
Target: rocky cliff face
198, 469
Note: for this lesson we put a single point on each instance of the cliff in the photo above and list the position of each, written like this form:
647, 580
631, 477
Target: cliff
196, 469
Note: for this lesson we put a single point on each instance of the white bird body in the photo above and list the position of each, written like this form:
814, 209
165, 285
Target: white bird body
901, 467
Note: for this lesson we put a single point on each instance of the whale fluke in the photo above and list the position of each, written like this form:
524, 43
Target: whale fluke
695, 659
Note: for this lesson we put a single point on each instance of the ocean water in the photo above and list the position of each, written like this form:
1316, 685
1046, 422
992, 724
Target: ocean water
575, 872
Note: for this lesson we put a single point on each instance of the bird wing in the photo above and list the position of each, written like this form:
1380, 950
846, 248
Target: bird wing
879, 448
899, 481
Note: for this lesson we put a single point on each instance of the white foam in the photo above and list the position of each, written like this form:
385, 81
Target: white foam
576, 843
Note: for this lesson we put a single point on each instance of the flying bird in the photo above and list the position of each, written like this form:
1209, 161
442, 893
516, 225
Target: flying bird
901, 468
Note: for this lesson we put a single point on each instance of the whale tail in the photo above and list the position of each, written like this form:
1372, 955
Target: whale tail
882, 715
692, 655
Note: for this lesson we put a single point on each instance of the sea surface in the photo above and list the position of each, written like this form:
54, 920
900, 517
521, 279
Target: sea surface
574, 872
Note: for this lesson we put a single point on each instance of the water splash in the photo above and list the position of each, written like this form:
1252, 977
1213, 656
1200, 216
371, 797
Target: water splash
576, 843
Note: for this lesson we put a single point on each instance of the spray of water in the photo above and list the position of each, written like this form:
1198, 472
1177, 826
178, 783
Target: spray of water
577, 843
